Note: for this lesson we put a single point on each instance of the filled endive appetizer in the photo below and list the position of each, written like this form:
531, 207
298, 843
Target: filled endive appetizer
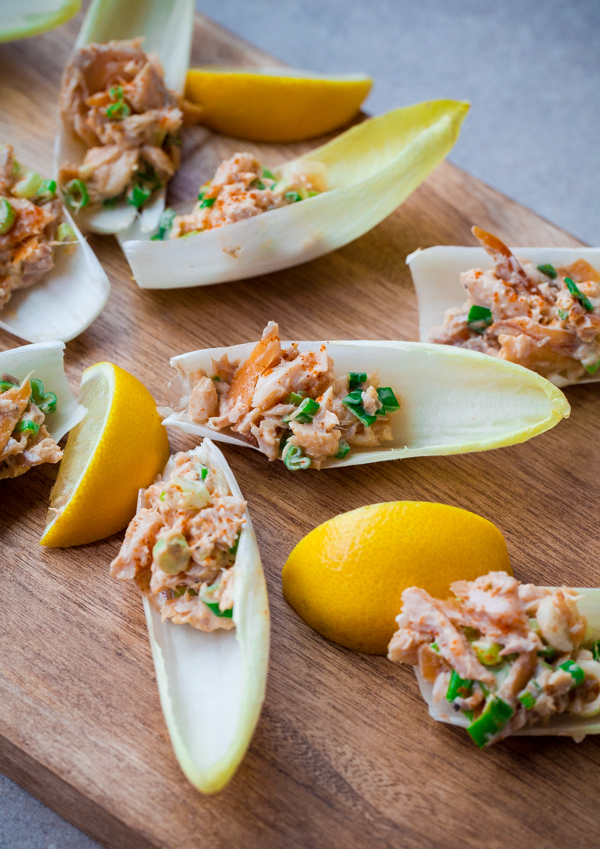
540, 310
327, 404
346, 186
37, 407
240, 189
120, 136
192, 551
504, 657
40, 245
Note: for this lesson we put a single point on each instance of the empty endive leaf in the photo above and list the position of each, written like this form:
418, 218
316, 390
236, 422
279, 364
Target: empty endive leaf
452, 401
32, 17
212, 684
167, 29
65, 301
45, 362
370, 169
559, 725
436, 274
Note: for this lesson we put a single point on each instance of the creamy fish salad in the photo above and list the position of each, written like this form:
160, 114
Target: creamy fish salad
291, 405
31, 225
506, 655
114, 99
24, 439
181, 546
541, 317
240, 189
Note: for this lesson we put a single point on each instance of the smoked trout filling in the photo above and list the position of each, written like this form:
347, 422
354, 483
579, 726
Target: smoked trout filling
24, 440
30, 225
113, 98
541, 317
181, 546
507, 655
240, 189
290, 404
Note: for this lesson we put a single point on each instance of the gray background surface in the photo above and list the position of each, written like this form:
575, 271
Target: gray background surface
531, 69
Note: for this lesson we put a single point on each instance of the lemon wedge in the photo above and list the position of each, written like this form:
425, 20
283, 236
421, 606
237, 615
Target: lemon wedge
275, 105
119, 447
346, 577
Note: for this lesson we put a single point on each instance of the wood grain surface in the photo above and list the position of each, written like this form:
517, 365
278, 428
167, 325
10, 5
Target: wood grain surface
345, 755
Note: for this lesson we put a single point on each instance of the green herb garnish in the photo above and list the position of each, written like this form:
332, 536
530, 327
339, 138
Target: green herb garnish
479, 318
578, 294
548, 270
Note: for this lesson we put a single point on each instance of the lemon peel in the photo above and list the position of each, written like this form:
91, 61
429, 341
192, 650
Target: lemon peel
346, 577
117, 448
276, 105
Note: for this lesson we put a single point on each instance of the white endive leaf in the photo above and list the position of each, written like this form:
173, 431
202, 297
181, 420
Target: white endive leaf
561, 725
371, 169
45, 362
212, 685
65, 301
452, 401
167, 27
436, 274
32, 17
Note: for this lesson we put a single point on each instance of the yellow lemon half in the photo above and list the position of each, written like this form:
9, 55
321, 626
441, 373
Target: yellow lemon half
118, 447
345, 578
275, 105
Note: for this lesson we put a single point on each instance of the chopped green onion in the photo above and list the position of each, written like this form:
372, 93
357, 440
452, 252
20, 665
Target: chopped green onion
575, 671
294, 458
343, 449
201, 194
29, 186
388, 399
110, 203
563, 314
295, 398
5, 385
495, 717
47, 191
204, 473
356, 379
65, 233
162, 495
487, 653
527, 700
266, 173
46, 401
595, 649
164, 225
292, 197
458, 687
76, 195
27, 425
116, 92
117, 111
305, 412
235, 546
435, 648
479, 318
577, 293
205, 594
548, 270
593, 368
258, 184
547, 652
353, 401
138, 194
7, 216
207, 202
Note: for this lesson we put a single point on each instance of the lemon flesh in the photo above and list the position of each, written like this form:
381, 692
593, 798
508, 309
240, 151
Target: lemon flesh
274, 106
119, 447
346, 577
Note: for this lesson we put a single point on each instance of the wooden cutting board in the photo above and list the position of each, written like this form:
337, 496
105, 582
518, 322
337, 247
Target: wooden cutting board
345, 755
